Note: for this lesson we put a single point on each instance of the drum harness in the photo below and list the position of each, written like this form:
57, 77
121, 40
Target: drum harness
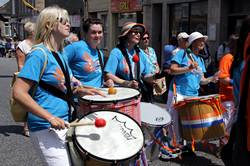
68, 97
142, 87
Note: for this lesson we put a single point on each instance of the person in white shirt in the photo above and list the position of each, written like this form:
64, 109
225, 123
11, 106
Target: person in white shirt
23, 48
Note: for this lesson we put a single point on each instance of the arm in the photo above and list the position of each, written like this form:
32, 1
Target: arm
21, 94
175, 69
121, 82
20, 57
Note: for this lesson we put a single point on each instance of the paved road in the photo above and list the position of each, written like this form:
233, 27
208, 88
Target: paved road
16, 149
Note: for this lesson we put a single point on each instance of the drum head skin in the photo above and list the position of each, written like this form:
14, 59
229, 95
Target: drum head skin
120, 139
122, 94
154, 115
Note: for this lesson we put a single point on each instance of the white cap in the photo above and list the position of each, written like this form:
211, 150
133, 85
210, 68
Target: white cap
182, 35
195, 35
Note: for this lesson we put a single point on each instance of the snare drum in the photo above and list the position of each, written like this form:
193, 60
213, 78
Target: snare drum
120, 140
153, 115
201, 118
126, 100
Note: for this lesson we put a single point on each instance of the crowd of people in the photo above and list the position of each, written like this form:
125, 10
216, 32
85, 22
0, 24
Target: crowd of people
76, 67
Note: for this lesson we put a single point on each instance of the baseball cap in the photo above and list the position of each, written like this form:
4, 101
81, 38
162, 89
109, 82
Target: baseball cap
182, 35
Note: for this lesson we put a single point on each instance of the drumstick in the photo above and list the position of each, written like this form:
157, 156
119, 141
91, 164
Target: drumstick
99, 122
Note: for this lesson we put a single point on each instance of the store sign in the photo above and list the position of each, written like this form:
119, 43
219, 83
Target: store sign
122, 6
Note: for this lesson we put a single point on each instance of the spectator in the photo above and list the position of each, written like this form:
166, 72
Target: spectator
23, 48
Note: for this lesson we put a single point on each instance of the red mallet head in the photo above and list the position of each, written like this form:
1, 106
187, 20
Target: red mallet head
99, 122
136, 58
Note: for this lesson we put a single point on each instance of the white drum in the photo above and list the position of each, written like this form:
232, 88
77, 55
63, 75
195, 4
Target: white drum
153, 115
120, 140
126, 100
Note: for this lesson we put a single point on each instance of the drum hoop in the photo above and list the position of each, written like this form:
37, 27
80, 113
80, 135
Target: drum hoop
111, 101
99, 158
151, 125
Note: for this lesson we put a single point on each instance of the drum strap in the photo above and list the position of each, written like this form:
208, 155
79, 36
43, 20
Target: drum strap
101, 62
69, 98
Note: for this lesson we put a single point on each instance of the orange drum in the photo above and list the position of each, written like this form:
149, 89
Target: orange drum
201, 118
126, 100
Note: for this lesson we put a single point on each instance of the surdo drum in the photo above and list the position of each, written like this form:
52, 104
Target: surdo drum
120, 140
201, 118
126, 100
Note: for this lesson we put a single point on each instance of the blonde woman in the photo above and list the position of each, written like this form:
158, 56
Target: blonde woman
23, 48
48, 114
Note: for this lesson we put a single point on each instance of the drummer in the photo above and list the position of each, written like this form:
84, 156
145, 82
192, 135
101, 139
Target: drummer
48, 112
188, 70
85, 59
127, 64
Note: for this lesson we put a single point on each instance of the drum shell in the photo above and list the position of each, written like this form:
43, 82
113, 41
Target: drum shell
201, 120
130, 106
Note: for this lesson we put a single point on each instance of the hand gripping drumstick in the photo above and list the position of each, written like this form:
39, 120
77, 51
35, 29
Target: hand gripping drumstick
99, 122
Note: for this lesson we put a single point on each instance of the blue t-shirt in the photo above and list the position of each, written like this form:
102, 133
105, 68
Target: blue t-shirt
188, 83
118, 66
152, 60
84, 63
52, 75
168, 49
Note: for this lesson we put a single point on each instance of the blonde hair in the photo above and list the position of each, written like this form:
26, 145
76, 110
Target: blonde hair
46, 21
29, 27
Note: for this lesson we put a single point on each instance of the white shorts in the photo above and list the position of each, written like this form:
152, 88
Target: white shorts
52, 145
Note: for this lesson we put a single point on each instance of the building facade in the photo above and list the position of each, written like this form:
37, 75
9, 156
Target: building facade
165, 18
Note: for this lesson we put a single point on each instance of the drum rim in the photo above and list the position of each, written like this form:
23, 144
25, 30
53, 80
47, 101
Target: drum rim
111, 101
99, 158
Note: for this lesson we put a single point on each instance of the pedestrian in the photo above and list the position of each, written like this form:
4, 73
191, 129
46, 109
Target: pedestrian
48, 112
86, 60
127, 64
23, 48
226, 84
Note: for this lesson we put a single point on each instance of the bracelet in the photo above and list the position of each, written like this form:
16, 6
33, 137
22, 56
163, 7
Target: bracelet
51, 119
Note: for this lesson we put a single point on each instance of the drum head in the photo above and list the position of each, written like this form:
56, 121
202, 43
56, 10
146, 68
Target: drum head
154, 115
122, 94
120, 139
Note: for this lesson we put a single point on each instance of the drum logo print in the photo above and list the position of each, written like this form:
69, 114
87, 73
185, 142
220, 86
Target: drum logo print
126, 132
159, 119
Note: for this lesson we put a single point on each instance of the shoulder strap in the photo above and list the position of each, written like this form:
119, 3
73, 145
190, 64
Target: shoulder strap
43, 69
100, 60
65, 71
101, 64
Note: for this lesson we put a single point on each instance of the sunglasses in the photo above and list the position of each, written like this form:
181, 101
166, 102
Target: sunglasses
145, 38
63, 21
135, 32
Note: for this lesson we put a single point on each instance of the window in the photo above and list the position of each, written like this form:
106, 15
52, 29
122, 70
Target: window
188, 17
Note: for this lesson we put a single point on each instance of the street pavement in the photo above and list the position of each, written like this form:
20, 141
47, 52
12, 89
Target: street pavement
17, 150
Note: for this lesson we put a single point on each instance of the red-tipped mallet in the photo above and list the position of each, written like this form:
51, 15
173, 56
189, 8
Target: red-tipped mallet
99, 122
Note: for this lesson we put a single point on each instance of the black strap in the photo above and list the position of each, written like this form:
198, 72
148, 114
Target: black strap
125, 54
101, 63
65, 71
